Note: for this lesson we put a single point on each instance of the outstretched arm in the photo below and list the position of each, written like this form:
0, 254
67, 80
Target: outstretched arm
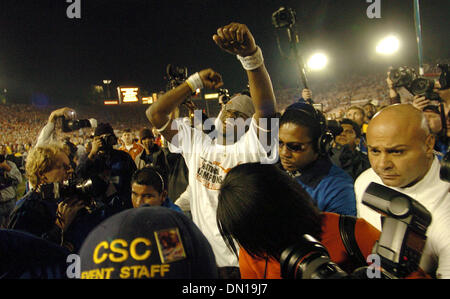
237, 39
159, 113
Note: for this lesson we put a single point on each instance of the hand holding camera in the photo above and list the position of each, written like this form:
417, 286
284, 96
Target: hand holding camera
67, 210
420, 102
97, 144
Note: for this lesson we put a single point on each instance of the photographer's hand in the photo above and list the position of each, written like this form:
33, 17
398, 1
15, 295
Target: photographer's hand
68, 113
393, 94
236, 39
66, 212
96, 145
420, 102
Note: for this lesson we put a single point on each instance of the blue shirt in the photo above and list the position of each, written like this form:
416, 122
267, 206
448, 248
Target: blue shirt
169, 204
330, 187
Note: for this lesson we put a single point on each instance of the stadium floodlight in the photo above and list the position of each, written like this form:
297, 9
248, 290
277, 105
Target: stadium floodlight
388, 45
317, 61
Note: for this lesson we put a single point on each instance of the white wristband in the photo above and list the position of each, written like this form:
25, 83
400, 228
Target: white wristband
252, 62
195, 82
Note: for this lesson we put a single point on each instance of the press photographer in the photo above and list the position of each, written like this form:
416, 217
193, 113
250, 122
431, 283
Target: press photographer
42, 212
10, 178
433, 99
62, 121
110, 166
397, 252
345, 152
401, 156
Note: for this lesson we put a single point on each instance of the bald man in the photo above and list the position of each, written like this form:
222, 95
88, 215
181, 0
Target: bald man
400, 149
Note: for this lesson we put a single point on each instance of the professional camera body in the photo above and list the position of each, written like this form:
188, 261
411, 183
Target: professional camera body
70, 125
108, 141
400, 246
224, 96
283, 17
176, 75
402, 76
87, 190
420, 86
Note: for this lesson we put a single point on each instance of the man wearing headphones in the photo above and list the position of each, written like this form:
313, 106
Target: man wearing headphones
149, 187
304, 143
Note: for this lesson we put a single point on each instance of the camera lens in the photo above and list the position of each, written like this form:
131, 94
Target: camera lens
421, 86
308, 259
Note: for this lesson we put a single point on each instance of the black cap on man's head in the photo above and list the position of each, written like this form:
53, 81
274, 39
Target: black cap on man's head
103, 128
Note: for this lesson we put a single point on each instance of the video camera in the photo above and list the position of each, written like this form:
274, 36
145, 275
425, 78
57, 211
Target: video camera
224, 96
176, 75
420, 86
400, 246
283, 17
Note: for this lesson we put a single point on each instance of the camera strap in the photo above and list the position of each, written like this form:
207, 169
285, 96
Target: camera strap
347, 231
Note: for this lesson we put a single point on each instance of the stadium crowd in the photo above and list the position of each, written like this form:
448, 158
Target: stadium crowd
176, 199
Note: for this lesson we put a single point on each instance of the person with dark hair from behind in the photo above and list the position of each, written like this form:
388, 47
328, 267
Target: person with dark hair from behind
303, 148
345, 153
149, 187
264, 228
163, 244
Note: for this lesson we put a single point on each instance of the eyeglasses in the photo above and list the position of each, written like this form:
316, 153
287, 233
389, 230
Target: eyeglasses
294, 146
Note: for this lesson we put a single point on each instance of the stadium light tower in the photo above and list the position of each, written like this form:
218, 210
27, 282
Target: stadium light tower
317, 62
388, 45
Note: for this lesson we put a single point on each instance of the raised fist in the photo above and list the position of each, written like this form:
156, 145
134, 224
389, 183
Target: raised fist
236, 39
211, 79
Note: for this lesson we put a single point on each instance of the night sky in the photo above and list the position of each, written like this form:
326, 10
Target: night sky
44, 52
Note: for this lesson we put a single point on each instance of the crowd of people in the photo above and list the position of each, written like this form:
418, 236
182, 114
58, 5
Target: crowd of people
143, 193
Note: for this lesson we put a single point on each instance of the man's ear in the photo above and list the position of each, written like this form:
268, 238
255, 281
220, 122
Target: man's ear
429, 144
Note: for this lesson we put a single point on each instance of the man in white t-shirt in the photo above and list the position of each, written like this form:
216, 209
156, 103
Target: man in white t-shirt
400, 149
243, 134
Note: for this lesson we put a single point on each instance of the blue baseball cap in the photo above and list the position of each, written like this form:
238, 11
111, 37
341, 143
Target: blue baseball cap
147, 243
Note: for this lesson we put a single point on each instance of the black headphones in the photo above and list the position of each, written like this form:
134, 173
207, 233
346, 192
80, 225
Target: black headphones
326, 137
